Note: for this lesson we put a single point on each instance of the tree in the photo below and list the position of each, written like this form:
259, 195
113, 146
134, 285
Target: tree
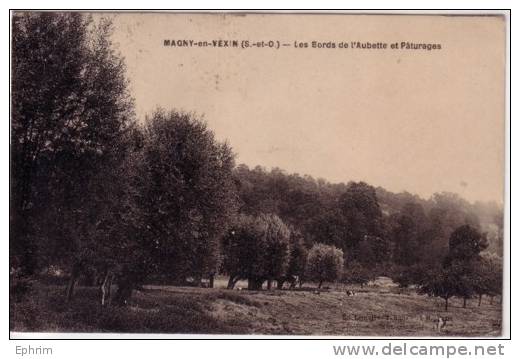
496, 282
374, 251
487, 276
188, 194
276, 258
458, 276
324, 263
466, 243
496, 273
448, 212
409, 275
329, 227
361, 215
439, 284
444, 283
463, 272
256, 249
128, 254
465, 246
498, 220
297, 261
295, 199
238, 249
356, 273
71, 113
409, 234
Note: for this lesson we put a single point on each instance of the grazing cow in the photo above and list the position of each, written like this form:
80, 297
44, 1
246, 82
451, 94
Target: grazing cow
317, 291
350, 293
239, 288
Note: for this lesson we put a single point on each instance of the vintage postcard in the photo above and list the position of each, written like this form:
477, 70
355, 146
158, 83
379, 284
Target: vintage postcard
317, 174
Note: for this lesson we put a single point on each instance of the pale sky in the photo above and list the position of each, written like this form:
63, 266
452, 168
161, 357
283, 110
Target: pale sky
415, 120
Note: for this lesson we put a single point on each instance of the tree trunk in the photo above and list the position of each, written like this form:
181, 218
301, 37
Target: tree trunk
479, 299
105, 289
464, 302
232, 282
70, 287
269, 284
446, 304
211, 280
109, 289
72, 282
491, 300
258, 284
279, 284
293, 283
254, 284
319, 284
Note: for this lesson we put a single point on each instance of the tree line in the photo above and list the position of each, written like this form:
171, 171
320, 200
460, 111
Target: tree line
105, 198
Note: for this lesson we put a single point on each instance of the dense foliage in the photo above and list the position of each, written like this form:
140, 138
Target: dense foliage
324, 263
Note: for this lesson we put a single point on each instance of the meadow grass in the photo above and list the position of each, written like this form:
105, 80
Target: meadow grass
373, 311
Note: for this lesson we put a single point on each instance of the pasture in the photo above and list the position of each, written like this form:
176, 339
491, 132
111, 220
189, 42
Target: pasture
375, 310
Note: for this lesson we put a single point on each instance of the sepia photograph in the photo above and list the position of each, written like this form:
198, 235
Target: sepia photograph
258, 174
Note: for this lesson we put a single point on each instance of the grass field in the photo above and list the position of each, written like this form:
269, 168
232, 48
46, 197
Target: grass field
373, 311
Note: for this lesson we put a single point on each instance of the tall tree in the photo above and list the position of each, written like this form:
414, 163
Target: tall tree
277, 248
466, 243
458, 274
189, 194
239, 249
442, 282
409, 232
297, 261
362, 215
71, 111
374, 251
487, 276
448, 212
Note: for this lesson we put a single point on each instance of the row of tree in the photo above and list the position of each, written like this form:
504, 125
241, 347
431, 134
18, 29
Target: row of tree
263, 248
98, 195
465, 272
